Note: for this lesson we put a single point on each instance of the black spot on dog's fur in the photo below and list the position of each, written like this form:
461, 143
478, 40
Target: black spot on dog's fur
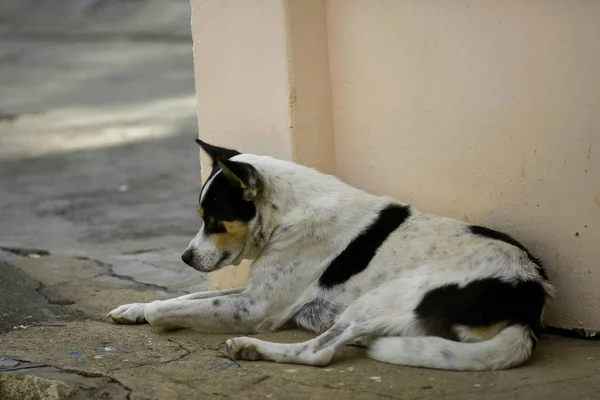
446, 355
481, 303
492, 234
241, 308
301, 349
330, 336
361, 250
216, 303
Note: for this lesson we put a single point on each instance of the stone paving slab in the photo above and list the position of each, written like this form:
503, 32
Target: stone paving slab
89, 356
157, 365
31, 381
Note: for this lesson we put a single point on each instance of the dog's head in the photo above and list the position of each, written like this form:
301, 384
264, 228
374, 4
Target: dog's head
228, 208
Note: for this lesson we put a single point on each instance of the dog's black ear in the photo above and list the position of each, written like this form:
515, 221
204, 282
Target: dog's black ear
217, 153
242, 175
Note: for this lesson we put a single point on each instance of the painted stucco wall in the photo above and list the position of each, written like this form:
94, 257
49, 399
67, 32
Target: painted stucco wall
262, 85
482, 110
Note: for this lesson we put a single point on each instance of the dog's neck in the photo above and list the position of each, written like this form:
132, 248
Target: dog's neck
313, 217
306, 218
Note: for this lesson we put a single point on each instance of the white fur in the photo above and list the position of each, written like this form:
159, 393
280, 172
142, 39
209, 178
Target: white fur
374, 307
514, 343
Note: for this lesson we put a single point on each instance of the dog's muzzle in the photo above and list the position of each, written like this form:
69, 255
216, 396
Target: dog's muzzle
190, 258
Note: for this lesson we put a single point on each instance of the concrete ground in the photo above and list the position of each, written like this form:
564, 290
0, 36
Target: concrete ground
98, 180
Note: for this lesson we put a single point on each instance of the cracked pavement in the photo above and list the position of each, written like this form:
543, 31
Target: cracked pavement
99, 178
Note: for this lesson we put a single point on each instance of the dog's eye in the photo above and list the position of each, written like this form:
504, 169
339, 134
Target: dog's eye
211, 220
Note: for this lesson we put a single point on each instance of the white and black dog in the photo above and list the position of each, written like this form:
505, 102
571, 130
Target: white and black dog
416, 289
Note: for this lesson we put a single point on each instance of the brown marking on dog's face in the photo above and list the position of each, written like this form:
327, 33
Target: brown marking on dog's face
200, 210
235, 235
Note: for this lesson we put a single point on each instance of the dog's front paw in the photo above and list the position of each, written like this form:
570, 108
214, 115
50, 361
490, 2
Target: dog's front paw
128, 314
242, 349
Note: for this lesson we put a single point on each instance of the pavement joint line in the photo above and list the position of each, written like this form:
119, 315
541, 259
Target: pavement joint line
111, 272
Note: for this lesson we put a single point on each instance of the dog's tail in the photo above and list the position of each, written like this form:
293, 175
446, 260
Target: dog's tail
509, 348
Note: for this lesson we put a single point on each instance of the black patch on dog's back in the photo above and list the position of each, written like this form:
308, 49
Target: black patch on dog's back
481, 303
492, 234
361, 250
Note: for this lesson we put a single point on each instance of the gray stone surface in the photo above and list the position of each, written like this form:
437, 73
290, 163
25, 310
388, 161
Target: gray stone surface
180, 364
97, 157
98, 184
155, 19
22, 303
37, 381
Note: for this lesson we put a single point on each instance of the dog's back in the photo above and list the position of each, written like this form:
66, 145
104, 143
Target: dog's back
429, 284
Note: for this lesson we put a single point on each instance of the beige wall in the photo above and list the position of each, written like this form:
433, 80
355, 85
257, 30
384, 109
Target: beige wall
262, 84
486, 111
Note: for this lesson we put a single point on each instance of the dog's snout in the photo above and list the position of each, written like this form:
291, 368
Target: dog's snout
188, 256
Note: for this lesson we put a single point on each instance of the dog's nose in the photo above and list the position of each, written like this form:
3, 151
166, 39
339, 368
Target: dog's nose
187, 256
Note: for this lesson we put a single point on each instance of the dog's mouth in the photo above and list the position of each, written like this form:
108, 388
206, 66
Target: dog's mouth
223, 259
222, 262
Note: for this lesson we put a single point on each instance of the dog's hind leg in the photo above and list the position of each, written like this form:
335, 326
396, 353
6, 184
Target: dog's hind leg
318, 351
366, 318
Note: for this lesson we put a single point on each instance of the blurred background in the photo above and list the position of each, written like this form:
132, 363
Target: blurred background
97, 128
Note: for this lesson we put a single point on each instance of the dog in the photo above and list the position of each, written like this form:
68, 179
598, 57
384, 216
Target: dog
415, 289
